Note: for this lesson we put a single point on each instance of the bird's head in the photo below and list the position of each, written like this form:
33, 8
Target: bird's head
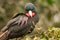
30, 10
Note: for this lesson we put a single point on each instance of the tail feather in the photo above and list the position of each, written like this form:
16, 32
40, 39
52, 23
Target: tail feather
4, 35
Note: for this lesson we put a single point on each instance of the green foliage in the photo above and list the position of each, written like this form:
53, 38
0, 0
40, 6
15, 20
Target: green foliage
32, 1
50, 2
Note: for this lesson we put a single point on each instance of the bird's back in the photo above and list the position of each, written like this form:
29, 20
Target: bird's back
17, 30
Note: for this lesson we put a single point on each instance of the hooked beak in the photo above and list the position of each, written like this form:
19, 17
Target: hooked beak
30, 13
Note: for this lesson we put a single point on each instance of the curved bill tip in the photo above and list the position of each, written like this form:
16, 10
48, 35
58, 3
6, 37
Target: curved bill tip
30, 12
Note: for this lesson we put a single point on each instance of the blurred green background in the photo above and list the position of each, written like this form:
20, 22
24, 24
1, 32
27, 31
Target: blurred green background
48, 27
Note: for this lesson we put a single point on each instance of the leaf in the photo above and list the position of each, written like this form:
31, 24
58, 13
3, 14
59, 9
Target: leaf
58, 36
43, 39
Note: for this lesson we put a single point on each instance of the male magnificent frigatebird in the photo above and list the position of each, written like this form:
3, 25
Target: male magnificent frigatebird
21, 24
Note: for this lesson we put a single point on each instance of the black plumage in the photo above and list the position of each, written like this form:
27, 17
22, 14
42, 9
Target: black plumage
21, 24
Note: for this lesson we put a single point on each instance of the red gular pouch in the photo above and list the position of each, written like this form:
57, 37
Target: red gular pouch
28, 15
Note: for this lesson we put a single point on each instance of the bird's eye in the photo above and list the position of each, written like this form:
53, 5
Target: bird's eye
27, 10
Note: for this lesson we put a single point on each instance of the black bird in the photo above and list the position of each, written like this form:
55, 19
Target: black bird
21, 24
